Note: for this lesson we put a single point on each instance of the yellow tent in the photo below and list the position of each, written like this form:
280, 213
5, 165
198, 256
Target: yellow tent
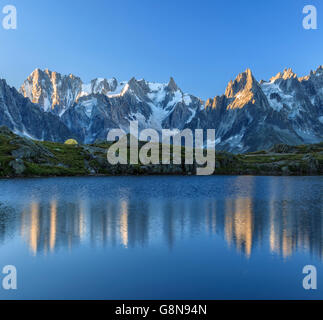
71, 142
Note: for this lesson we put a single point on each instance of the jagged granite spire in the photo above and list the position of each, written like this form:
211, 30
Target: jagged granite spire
285, 75
51, 90
243, 90
172, 86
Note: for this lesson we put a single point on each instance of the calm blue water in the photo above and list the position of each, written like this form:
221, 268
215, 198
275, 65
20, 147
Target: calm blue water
162, 237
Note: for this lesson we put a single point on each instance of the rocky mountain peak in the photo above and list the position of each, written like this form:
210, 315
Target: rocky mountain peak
28, 119
289, 74
172, 86
242, 90
214, 103
132, 82
103, 86
51, 90
313, 74
319, 70
279, 75
285, 75
136, 86
244, 81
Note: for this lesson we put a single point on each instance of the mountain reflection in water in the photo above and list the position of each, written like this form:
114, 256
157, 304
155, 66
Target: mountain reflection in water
276, 214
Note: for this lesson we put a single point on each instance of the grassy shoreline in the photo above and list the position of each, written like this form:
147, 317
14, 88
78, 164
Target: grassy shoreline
24, 158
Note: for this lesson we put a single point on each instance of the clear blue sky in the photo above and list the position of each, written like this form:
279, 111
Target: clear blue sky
202, 43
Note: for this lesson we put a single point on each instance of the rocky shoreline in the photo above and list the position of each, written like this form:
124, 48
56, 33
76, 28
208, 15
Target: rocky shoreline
23, 157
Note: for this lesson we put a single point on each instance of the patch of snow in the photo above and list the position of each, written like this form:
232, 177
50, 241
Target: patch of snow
154, 86
235, 141
96, 86
26, 134
238, 96
192, 116
120, 90
110, 82
286, 99
28, 89
187, 99
88, 106
86, 90
178, 97
23, 133
62, 112
157, 92
47, 104
157, 117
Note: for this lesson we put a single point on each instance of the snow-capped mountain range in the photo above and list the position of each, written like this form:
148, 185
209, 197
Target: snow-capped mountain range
90, 110
250, 115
